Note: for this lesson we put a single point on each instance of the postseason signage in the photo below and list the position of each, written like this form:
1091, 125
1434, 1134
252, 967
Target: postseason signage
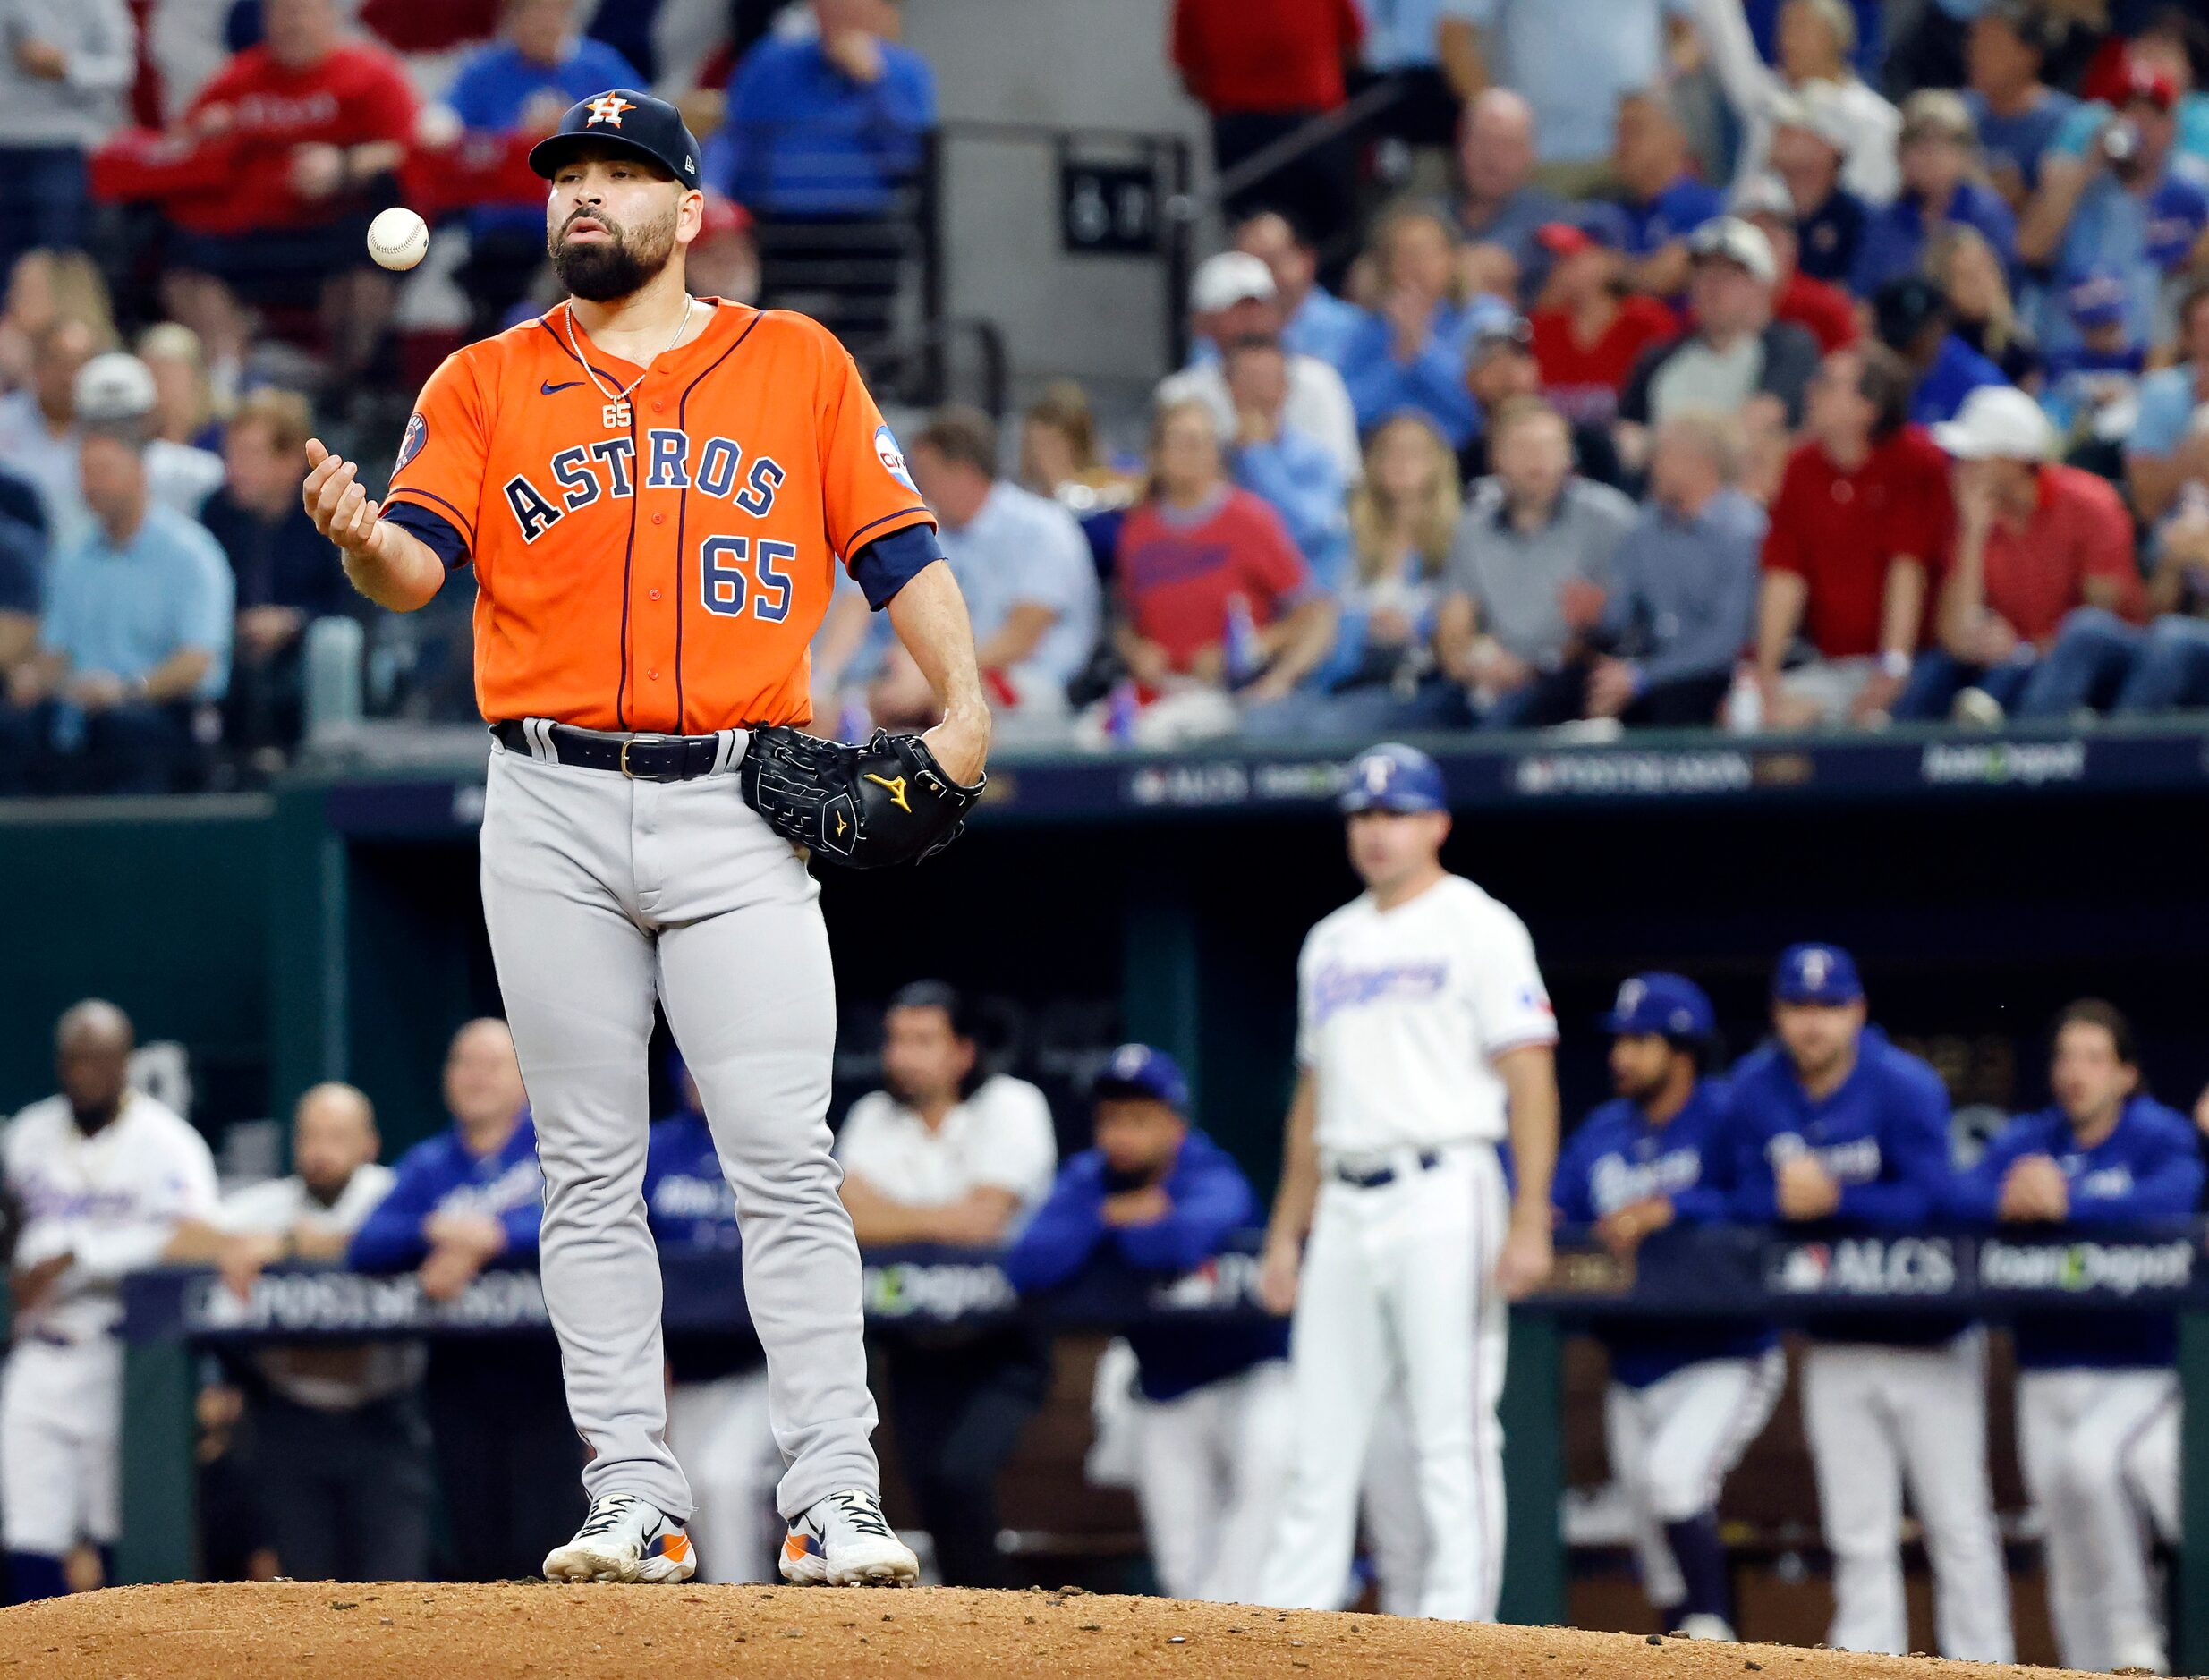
1986, 1274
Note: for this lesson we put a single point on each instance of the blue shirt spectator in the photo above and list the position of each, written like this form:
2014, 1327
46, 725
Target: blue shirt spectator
1894, 239
1573, 59
2141, 237
125, 606
1829, 237
2020, 140
444, 1175
1431, 381
807, 137
1299, 477
1956, 371
1672, 215
1404, 34
524, 81
1498, 203
1683, 579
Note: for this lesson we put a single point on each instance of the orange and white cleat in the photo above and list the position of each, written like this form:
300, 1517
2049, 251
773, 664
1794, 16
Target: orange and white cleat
844, 1540
625, 1538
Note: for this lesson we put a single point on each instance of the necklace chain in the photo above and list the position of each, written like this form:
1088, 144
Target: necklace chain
591, 373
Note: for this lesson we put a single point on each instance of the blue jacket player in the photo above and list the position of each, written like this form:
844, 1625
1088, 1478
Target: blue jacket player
716, 1379
1843, 1131
1160, 1199
2098, 1401
1686, 1395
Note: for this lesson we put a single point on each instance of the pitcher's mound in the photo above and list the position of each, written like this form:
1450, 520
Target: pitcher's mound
410, 1632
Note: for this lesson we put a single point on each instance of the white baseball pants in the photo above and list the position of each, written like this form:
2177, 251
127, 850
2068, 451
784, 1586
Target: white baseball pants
721, 1429
602, 895
2101, 1456
61, 1415
1674, 1443
1881, 1417
1210, 1468
1398, 1287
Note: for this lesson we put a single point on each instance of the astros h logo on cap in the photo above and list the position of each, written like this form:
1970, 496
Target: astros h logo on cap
607, 107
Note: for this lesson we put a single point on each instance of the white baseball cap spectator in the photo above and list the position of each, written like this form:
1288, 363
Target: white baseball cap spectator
1998, 423
1231, 277
1737, 242
115, 385
1762, 195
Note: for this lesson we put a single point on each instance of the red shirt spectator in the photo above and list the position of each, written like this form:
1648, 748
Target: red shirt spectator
1822, 310
267, 111
1265, 55
1840, 529
2037, 572
1583, 381
1179, 570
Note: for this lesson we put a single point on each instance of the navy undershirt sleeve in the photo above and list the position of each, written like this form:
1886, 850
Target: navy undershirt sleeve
442, 536
887, 563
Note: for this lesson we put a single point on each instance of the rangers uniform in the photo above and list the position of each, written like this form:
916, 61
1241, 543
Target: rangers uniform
1885, 1401
1402, 1013
2098, 1400
111, 1200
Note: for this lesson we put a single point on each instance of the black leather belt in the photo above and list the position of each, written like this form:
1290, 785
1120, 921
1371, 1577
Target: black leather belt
1429, 1160
640, 758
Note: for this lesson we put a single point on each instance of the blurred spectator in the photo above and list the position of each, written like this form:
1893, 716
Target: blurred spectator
117, 389
1059, 454
2034, 541
1573, 59
724, 261
942, 1154
1820, 309
38, 423
1736, 360
462, 1201
824, 144
286, 573
1808, 150
135, 634
2016, 113
44, 287
1498, 203
1430, 50
2122, 206
1529, 571
519, 86
1683, 593
1293, 473
1213, 595
1402, 520
23, 569
310, 129
1862, 520
183, 401
1814, 89
1023, 568
2098, 1397
1937, 191
1262, 72
1913, 319
1409, 353
1665, 200
1232, 297
1591, 329
2172, 42
1499, 365
1314, 322
340, 1447
2093, 394
2103, 660
1972, 277
62, 81
2168, 448
1160, 1199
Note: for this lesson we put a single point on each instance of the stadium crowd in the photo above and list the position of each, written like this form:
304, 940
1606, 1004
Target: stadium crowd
1783, 364
329, 1460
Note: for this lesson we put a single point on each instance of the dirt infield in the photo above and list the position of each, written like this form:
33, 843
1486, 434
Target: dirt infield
410, 1632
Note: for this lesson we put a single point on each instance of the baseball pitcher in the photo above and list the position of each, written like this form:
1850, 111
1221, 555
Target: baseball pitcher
655, 490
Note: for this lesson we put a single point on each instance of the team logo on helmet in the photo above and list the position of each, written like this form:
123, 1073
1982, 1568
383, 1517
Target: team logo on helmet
1379, 771
892, 458
1817, 969
411, 445
1630, 996
607, 107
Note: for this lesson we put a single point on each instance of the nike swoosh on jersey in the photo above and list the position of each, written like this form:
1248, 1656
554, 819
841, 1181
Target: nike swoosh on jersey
546, 388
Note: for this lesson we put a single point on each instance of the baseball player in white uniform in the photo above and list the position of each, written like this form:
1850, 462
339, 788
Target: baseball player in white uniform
1425, 1033
98, 1176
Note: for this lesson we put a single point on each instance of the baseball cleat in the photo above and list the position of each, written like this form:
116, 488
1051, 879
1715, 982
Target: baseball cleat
1704, 1626
624, 1539
844, 1540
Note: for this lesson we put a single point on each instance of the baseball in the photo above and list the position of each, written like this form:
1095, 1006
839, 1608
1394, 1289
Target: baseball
397, 238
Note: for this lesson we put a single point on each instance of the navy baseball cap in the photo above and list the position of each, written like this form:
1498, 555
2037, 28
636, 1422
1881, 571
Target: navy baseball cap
1393, 776
1137, 1070
1670, 1004
1816, 975
631, 121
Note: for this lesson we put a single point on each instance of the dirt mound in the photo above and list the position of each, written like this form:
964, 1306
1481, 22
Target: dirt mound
412, 1631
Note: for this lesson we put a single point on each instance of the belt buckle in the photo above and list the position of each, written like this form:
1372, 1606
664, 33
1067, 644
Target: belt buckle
630, 741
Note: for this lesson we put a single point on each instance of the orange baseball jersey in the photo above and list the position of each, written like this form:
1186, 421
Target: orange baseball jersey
659, 563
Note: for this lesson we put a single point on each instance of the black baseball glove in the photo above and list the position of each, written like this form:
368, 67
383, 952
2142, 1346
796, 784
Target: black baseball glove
888, 801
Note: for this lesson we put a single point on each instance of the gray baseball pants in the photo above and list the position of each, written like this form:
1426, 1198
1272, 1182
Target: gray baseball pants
602, 894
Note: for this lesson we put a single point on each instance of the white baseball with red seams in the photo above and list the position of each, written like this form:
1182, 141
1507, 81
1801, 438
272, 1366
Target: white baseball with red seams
1402, 1013
397, 238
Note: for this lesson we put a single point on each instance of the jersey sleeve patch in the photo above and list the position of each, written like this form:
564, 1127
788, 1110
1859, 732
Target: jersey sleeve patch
411, 445
892, 458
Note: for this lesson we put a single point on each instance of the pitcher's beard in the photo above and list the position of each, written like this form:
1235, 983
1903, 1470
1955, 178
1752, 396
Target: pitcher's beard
601, 270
